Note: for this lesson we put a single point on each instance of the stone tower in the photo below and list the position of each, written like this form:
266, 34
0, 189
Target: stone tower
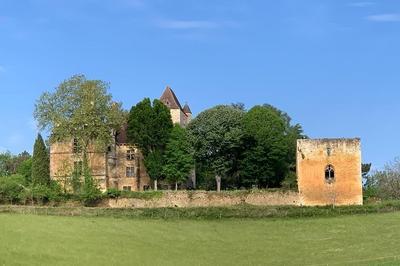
329, 171
181, 116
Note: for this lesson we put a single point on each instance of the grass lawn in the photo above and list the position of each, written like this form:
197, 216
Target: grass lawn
349, 240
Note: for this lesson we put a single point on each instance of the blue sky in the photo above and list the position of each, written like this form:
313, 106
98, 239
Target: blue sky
333, 65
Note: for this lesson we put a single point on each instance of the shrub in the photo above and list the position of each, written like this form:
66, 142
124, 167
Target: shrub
11, 188
113, 193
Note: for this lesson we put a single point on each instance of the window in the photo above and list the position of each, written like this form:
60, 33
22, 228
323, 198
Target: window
329, 151
76, 148
329, 174
130, 172
78, 168
127, 188
130, 155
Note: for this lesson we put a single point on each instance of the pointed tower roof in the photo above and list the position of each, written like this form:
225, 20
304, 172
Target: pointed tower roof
186, 109
170, 100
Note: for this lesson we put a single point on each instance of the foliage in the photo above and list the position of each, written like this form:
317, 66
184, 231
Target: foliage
40, 163
217, 137
270, 147
385, 183
11, 188
81, 109
178, 157
25, 169
90, 193
149, 127
10, 164
112, 193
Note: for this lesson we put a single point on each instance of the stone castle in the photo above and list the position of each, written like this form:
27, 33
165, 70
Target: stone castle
328, 170
122, 166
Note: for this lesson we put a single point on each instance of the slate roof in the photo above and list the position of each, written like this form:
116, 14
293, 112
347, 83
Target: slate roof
169, 99
186, 109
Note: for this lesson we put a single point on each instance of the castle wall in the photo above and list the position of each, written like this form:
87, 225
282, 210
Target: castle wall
108, 169
313, 157
62, 161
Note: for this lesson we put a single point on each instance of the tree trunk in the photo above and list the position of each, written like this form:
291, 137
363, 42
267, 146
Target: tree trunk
176, 186
155, 185
218, 179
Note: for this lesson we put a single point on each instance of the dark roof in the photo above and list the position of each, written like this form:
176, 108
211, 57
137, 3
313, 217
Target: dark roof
170, 100
186, 109
121, 136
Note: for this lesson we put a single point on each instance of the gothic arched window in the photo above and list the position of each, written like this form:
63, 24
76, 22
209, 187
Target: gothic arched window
330, 174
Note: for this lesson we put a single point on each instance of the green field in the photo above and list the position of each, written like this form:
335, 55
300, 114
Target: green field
349, 240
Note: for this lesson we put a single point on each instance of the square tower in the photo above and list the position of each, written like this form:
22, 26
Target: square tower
329, 171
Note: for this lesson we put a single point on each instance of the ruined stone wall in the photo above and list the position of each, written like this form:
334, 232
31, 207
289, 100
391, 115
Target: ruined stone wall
140, 179
186, 199
62, 161
313, 156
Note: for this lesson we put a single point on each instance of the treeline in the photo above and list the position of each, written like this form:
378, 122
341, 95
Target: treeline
228, 146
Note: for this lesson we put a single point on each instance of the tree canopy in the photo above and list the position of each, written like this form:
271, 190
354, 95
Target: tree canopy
178, 156
270, 146
81, 109
40, 163
149, 128
216, 135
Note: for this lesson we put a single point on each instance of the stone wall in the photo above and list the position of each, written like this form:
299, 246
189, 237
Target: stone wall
185, 199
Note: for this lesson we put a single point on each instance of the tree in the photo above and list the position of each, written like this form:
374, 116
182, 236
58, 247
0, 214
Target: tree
25, 170
149, 127
80, 109
40, 163
270, 147
178, 157
216, 136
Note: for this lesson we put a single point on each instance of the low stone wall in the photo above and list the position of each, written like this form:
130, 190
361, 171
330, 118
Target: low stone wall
186, 199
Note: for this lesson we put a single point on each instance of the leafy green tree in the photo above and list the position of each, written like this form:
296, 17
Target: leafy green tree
80, 109
83, 110
270, 147
217, 138
40, 163
178, 157
5, 164
25, 170
149, 127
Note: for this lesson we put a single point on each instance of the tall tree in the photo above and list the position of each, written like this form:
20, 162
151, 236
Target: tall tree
149, 127
80, 109
40, 163
178, 157
270, 146
216, 135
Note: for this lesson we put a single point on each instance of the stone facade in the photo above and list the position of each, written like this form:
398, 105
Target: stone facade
329, 172
122, 166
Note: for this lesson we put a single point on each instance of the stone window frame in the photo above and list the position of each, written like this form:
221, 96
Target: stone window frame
130, 172
130, 155
330, 174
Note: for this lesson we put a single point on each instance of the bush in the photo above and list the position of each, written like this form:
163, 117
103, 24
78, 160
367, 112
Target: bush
11, 188
113, 193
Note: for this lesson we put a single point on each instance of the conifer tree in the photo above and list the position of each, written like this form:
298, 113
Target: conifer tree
40, 163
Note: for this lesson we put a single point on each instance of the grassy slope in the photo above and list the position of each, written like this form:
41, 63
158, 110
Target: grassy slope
356, 240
